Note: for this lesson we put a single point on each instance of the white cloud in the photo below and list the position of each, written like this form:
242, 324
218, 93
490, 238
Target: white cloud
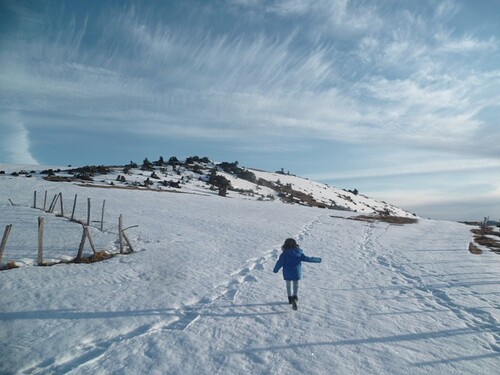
15, 141
465, 44
342, 18
406, 169
446, 9
442, 203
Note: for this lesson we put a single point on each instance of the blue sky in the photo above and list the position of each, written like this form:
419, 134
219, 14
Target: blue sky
399, 99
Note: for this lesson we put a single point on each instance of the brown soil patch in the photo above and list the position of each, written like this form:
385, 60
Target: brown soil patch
386, 219
485, 239
97, 257
8, 266
473, 249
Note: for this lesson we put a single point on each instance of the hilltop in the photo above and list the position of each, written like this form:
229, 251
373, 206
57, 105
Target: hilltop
200, 175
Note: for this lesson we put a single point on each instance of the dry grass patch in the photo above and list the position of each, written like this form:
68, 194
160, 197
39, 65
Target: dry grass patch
489, 231
473, 249
484, 238
97, 257
387, 219
8, 266
488, 242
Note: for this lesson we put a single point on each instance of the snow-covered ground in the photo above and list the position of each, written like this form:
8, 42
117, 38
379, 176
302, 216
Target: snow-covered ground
199, 296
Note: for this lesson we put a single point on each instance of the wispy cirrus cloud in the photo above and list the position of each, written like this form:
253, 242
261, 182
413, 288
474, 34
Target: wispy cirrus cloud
386, 77
344, 17
414, 168
465, 44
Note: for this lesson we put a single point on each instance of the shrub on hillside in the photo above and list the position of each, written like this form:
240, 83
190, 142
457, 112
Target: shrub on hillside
173, 161
222, 183
147, 165
247, 175
50, 172
160, 162
197, 159
227, 167
86, 173
232, 168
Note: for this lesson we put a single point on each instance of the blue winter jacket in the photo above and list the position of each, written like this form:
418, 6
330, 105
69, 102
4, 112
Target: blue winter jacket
291, 260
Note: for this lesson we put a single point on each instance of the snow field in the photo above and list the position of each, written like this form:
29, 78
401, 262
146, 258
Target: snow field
199, 295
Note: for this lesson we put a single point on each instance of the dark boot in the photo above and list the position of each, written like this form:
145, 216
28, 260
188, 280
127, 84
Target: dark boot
294, 302
290, 300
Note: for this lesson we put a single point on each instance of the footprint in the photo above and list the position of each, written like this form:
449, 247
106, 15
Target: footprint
495, 348
231, 294
251, 279
244, 271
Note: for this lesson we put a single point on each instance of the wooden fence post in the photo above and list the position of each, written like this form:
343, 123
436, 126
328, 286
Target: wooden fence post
41, 225
62, 205
88, 211
90, 241
484, 225
128, 241
85, 235
120, 232
53, 204
123, 236
34, 199
102, 214
8, 228
82, 244
45, 201
74, 207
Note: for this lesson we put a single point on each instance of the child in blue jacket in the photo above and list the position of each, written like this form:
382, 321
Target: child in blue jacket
291, 259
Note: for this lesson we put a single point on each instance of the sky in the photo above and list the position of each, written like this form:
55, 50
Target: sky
398, 99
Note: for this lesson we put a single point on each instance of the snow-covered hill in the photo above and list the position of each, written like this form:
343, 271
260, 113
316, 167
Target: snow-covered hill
198, 296
202, 176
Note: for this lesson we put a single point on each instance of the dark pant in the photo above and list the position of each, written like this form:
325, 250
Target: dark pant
289, 285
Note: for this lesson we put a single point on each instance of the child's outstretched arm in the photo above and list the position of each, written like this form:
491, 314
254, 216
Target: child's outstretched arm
310, 259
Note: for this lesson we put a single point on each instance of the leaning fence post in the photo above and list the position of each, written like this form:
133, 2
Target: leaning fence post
41, 224
6, 233
52, 205
85, 235
90, 240
82, 244
123, 236
128, 242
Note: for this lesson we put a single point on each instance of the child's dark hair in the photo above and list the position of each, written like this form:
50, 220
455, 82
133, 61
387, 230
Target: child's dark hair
290, 243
